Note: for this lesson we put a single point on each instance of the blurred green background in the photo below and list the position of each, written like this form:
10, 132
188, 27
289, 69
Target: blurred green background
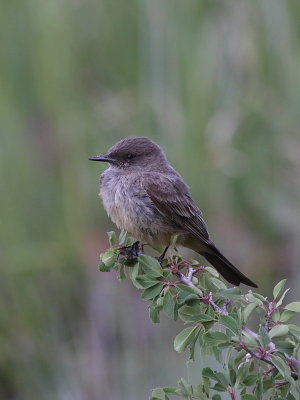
217, 84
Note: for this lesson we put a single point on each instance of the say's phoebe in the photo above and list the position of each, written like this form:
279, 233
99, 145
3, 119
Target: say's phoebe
143, 194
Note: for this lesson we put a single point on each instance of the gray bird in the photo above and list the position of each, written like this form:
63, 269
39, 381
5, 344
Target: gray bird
143, 194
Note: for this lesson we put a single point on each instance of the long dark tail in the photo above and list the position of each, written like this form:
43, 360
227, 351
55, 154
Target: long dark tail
226, 269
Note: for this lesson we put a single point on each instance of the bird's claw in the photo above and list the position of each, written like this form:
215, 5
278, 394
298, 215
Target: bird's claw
160, 258
132, 251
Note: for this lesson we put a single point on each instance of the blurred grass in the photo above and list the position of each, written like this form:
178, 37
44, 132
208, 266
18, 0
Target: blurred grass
217, 84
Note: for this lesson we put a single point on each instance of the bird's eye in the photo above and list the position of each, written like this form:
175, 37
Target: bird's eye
129, 156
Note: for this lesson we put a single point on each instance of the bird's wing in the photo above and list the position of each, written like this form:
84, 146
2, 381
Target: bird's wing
171, 197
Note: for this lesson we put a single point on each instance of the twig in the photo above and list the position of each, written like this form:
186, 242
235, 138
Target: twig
208, 299
254, 355
231, 393
187, 279
269, 371
293, 362
280, 384
263, 357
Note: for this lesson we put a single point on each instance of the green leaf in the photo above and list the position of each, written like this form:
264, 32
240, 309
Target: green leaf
122, 274
216, 397
232, 374
216, 350
133, 273
169, 305
250, 380
198, 392
230, 323
151, 292
205, 318
184, 288
249, 339
214, 338
146, 282
258, 389
208, 373
279, 330
248, 397
259, 296
286, 315
187, 298
278, 289
195, 280
185, 337
150, 266
108, 258
158, 394
285, 347
103, 268
186, 388
218, 284
205, 387
212, 271
238, 358
248, 310
122, 237
252, 299
129, 241
154, 313
112, 238
222, 379
185, 293
170, 390
279, 302
295, 331
243, 369
263, 337
268, 383
219, 387
282, 367
188, 313
159, 302
294, 306
192, 314
276, 316
230, 293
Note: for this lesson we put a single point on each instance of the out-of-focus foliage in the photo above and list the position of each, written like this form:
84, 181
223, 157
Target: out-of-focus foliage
217, 84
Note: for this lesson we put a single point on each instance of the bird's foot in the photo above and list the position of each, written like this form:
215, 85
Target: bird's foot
162, 256
132, 251
160, 259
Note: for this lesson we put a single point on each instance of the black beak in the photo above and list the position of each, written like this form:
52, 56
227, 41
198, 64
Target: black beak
101, 157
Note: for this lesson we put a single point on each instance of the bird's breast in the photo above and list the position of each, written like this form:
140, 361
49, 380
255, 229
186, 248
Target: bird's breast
127, 204
131, 209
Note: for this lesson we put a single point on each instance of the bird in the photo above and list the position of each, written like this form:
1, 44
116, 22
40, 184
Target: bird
144, 195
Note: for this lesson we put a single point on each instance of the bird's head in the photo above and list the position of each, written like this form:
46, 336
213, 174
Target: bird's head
134, 153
